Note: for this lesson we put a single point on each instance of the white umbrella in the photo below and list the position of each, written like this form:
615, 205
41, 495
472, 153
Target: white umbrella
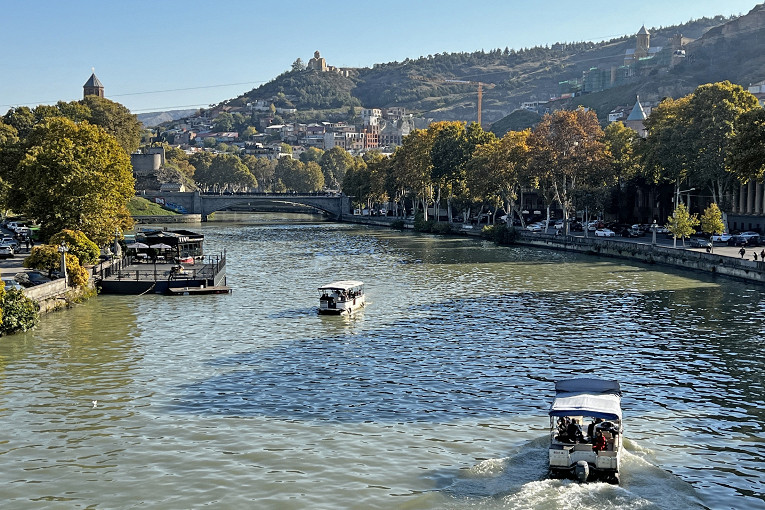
160, 246
137, 246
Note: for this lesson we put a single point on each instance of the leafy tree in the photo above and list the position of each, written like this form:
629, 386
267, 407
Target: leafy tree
210, 141
334, 163
249, 132
46, 257
225, 171
298, 65
223, 122
498, 170
411, 168
286, 148
262, 169
19, 313
666, 155
72, 176
746, 151
116, 120
79, 245
567, 149
711, 220
682, 224
311, 154
711, 116
22, 119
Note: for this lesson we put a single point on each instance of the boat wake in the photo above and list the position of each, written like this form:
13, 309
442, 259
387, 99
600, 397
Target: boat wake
520, 481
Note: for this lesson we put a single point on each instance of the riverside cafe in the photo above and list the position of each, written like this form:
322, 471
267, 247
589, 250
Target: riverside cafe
184, 245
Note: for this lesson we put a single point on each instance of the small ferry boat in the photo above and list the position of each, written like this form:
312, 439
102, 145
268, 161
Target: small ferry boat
343, 296
586, 430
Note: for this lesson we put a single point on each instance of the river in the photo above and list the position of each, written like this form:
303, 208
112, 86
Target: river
435, 396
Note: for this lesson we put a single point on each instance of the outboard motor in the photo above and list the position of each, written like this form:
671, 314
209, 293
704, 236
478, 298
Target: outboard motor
582, 470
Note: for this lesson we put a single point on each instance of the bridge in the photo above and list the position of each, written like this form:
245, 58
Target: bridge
334, 204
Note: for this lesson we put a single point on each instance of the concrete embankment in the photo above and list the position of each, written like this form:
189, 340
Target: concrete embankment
750, 270
174, 218
712, 263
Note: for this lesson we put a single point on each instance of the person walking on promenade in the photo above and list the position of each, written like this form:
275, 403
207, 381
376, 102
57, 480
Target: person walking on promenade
742, 252
762, 255
755, 256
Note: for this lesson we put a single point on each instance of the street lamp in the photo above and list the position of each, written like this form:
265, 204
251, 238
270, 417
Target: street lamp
62, 249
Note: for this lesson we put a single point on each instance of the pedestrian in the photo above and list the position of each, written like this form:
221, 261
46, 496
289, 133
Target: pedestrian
27, 241
755, 256
762, 255
742, 252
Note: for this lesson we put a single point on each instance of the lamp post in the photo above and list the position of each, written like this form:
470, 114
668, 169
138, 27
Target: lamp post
62, 249
677, 203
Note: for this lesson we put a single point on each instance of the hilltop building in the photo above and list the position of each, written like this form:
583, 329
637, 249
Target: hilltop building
636, 119
93, 87
643, 49
319, 63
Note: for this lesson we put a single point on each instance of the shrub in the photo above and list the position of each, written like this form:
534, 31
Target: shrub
47, 258
500, 234
19, 312
79, 245
398, 224
441, 228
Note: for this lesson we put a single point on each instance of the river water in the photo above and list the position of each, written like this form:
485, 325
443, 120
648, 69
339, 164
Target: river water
435, 396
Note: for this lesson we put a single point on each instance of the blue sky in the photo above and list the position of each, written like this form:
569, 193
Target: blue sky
164, 54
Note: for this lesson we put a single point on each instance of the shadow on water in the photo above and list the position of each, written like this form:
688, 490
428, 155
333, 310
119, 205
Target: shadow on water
521, 481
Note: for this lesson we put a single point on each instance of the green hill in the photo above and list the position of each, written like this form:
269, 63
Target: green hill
428, 86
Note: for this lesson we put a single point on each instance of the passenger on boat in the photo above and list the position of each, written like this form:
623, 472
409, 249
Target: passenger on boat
574, 432
591, 428
599, 442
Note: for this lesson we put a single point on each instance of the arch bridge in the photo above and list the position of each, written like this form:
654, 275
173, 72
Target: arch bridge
334, 204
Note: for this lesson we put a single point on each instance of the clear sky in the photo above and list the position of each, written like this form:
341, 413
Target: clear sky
165, 54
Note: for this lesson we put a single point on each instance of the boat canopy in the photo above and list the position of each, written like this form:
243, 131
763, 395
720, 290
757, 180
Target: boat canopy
587, 397
342, 285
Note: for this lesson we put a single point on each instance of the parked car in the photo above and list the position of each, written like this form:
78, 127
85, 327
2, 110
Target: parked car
721, 238
10, 283
6, 251
752, 238
737, 241
632, 232
604, 232
13, 243
699, 242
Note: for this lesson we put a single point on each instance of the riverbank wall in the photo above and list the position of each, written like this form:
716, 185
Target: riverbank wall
745, 269
174, 218
711, 263
55, 294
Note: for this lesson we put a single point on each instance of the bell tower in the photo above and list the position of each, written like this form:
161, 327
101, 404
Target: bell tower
93, 87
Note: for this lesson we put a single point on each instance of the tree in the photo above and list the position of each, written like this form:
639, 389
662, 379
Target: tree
19, 313
298, 65
72, 176
79, 245
334, 163
711, 220
249, 132
311, 154
22, 119
299, 177
46, 257
116, 120
711, 116
411, 168
225, 171
567, 149
682, 224
223, 122
262, 169
746, 151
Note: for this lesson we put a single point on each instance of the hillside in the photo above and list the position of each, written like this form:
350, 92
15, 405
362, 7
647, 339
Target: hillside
716, 49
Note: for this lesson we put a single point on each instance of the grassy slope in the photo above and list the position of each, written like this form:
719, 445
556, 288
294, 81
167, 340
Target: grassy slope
141, 207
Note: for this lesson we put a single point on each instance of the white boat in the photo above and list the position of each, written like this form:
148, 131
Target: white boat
343, 296
586, 430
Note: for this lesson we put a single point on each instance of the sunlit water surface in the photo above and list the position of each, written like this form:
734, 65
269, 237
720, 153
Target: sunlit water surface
434, 396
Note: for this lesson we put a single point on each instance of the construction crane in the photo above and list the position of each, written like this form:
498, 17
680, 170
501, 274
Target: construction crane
467, 82
480, 94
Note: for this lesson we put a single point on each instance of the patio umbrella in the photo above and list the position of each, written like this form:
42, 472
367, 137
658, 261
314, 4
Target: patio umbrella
160, 246
137, 246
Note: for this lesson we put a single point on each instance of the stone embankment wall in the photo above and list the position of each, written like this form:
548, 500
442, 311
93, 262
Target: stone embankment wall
687, 259
49, 295
745, 269
174, 218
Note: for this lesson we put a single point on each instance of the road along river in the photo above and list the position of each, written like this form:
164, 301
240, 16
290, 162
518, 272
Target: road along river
435, 396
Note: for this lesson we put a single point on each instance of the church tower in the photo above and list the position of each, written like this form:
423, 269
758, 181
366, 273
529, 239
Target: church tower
93, 87
643, 43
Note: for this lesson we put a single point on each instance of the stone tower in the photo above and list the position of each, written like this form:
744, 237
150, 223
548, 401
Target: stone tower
93, 87
643, 43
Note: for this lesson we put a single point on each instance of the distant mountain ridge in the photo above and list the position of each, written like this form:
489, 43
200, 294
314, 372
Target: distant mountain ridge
154, 119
